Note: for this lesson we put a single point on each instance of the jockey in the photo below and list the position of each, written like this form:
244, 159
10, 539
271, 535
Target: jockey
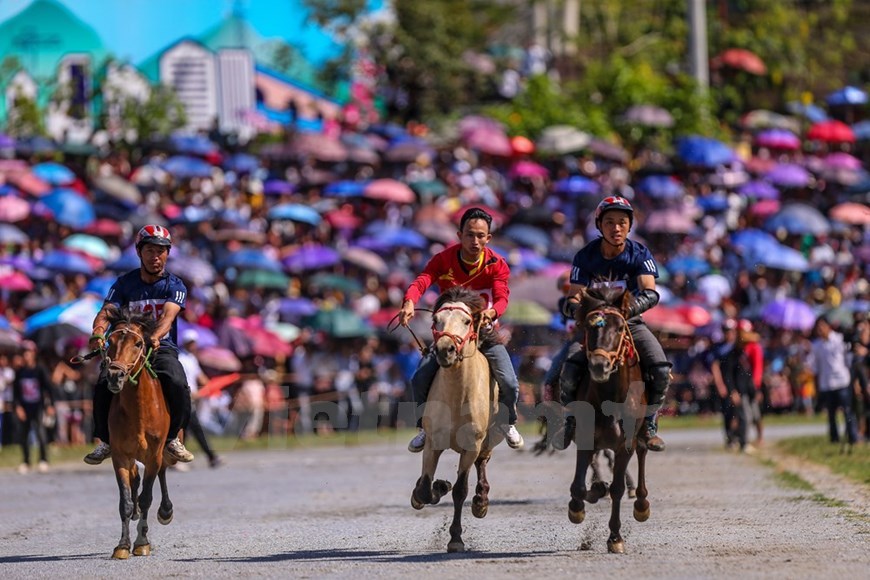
147, 289
615, 261
478, 268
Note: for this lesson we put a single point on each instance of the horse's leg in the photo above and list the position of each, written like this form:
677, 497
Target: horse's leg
164, 513
615, 543
424, 491
576, 507
598, 489
460, 492
641, 505
142, 547
480, 502
629, 484
134, 489
125, 507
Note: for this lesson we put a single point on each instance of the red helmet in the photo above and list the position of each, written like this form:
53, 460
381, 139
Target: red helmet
614, 202
153, 234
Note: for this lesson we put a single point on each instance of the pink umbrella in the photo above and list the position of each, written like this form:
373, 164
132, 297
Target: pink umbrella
29, 183
13, 166
490, 141
851, 213
471, 123
263, 342
389, 190
668, 221
16, 282
528, 169
842, 160
13, 209
765, 208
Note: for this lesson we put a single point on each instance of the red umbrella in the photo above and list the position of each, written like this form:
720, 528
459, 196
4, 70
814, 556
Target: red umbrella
522, 145
741, 59
389, 190
832, 132
851, 213
765, 207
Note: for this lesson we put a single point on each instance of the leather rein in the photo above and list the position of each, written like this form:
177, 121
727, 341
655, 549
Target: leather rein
142, 359
626, 349
459, 341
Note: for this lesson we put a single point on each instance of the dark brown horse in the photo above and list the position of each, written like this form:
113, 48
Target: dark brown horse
138, 425
610, 408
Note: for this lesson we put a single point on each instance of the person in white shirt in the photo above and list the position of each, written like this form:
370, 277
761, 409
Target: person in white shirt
833, 379
195, 378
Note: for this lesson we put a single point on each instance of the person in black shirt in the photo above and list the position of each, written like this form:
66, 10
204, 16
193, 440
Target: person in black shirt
32, 399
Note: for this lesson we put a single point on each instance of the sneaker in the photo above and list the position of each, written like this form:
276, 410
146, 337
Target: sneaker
418, 442
512, 436
178, 451
42, 467
100, 453
215, 462
648, 433
23, 469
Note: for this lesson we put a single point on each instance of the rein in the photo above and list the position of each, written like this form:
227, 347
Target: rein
144, 356
424, 350
460, 342
626, 348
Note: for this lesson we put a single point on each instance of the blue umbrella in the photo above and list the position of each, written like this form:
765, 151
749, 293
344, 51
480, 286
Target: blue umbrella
704, 152
660, 187
799, 219
194, 214
184, 167
129, 260
753, 240
295, 212
204, 336
10, 234
251, 259
389, 238
241, 163
345, 188
278, 187
758, 190
54, 173
311, 258
526, 235
68, 208
99, 286
577, 185
847, 96
78, 313
296, 308
779, 257
192, 144
862, 130
66, 263
812, 113
691, 266
713, 202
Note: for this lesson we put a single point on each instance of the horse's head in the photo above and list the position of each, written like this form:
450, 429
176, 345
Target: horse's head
454, 325
603, 316
129, 342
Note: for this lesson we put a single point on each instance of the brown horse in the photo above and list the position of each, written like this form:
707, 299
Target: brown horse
610, 408
138, 426
461, 409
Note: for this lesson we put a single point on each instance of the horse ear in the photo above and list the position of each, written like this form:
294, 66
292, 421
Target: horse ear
627, 299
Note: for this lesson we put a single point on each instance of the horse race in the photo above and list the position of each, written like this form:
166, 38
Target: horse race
436, 289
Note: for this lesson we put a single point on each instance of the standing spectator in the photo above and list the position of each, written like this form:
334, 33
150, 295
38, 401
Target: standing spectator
861, 375
32, 398
833, 379
733, 381
195, 379
750, 342
7, 375
69, 381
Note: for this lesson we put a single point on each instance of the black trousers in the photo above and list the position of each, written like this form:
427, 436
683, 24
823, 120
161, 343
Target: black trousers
172, 379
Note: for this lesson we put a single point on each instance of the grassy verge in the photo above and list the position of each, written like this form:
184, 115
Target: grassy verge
817, 449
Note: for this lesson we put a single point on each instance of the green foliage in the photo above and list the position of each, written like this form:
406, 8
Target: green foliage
24, 119
160, 115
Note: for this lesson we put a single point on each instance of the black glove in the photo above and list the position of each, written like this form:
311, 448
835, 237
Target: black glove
568, 307
643, 302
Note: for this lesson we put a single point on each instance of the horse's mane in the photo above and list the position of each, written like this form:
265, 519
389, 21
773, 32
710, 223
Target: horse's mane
605, 296
475, 302
126, 316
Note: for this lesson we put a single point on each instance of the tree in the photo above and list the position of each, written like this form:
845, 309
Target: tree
158, 116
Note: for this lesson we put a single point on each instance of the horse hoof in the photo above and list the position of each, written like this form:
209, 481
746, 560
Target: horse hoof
121, 554
454, 547
164, 519
616, 547
143, 550
417, 505
641, 516
479, 508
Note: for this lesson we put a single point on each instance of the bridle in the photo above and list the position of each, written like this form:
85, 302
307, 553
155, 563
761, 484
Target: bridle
626, 348
133, 369
460, 342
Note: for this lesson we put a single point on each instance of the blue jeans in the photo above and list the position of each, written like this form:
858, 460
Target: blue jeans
840, 398
499, 365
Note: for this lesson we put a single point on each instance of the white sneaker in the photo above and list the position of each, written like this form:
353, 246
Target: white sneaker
177, 450
512, 436
100, 453
418, 442
42, 467
23, 469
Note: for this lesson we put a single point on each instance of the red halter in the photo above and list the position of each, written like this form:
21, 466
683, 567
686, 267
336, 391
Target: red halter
460, 342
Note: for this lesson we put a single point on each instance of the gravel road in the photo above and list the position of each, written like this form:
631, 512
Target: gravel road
331, 512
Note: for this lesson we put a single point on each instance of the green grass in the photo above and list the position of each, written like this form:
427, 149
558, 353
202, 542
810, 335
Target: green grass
817, 449
715, 420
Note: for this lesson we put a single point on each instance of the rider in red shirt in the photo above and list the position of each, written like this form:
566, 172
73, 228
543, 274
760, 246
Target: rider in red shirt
478, 268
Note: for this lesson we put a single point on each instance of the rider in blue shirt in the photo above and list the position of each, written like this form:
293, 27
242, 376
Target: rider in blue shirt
152, 290
615, 261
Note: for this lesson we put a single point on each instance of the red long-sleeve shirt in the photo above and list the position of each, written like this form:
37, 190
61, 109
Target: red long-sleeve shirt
755, 354
446, 269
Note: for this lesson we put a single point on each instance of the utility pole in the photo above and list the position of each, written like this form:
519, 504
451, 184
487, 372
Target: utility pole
698, 43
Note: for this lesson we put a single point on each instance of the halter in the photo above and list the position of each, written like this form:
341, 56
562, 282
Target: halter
625, 350
142, 356
460, 342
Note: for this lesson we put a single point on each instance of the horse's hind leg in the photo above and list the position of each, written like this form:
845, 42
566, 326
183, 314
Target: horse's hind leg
599, 487
615, 543
641, 505
576, 507
480, 502
134, 489
460, 492
142, 546
125, 507
425, 491
164, 513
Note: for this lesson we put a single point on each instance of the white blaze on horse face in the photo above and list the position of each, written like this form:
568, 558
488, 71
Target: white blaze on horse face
452, 324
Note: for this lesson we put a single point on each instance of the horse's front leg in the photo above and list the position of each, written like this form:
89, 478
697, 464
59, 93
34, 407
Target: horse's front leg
480, 502
142, 546
641, 505
615, 543
427, 492
460, 492
576, 507
164, 512
598, 489
125, 507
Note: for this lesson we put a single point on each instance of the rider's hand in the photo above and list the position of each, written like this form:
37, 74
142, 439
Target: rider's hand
406, 313
155, 343
487, 316
96, 343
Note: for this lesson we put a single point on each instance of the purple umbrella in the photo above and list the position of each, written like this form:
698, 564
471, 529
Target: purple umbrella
789, 175
778, 139
758, 190
296, 308
204, 336
278, 187
789, 314
310, 258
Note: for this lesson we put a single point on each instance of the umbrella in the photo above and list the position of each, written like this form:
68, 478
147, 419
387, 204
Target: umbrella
295, 212
407, 150
191, 268
318, 146
99, 286
668, 221
789, 175
661, 187
78, 313
861, 130
758, 190
606, 150
847, 96
765, 208
704, 152
262, 279
251, 258
561, 140
118, 188
241, 163
310, 258
339, 323
713, 202
529, 236
389, 190
527, 168
526, 313
443, 232
191, 144
522, 145
851, 213
219, 359
810, 112
343, 219
841, 160
665, 318
90, 245
753, 240
15, 282
778, 139
366, 259
429, 188
798, 218
648, 116
540, 288
345, 188
263, 342
205, 337
388, 238
832, 132
184, 167
10, 339
789, 314
129, 260
68, 208
779, 257
764, 119
67, 263
278, 187
296, 308
11, 235
335, 282
577, 185
740, 59
691, 266
54, 173
489, 140
13, 209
